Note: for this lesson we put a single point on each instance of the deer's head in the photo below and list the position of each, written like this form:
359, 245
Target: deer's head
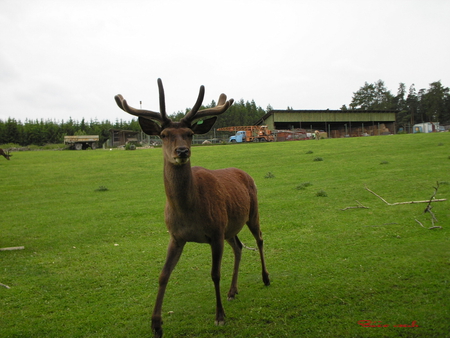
6, 154
177, 136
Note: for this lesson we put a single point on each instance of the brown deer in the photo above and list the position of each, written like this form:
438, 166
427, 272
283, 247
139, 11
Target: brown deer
203, 206
6, 154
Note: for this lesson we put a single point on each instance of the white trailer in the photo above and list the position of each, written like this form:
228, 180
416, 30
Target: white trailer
426, 127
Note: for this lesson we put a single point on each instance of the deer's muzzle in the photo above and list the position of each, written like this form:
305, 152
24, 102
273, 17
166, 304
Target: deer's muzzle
183, 155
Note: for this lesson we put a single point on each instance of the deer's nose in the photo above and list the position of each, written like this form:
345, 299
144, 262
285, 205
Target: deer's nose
183, 152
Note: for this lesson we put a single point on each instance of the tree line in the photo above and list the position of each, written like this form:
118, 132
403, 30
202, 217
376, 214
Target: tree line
413, 106
40, 132
424, 105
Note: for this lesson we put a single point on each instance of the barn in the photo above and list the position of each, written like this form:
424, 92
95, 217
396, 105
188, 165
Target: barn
335, 123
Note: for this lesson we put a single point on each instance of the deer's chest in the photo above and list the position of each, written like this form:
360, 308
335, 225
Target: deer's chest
195, 225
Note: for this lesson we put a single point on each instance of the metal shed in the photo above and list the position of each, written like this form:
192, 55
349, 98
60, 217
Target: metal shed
336, 123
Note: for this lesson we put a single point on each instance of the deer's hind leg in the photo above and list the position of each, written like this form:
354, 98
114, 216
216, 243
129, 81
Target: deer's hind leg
253, 225
236, 244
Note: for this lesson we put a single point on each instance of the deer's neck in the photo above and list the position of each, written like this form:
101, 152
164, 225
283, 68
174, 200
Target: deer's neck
179, 185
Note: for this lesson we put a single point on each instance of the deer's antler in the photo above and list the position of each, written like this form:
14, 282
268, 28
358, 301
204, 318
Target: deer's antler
192, 115
147, 114
220, 108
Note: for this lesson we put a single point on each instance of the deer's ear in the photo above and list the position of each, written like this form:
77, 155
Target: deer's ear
203, 126
149, 127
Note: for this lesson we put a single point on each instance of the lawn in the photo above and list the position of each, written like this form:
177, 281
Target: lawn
95, 241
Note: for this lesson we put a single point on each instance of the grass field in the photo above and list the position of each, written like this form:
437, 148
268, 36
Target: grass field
95, 242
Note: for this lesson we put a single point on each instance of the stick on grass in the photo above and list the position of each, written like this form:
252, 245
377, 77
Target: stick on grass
12, 248
409, 202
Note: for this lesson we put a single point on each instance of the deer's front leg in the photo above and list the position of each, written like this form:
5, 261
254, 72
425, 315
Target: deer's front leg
217, 251
173, 255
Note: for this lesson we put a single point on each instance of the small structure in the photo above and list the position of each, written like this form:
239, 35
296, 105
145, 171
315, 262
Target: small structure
426, 127
119, 137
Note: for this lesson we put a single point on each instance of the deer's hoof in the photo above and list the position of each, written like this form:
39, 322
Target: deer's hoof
219, 322
158, 333
231, 296
232, 293
266, 279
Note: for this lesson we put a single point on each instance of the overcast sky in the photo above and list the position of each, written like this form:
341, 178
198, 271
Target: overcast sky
61, 59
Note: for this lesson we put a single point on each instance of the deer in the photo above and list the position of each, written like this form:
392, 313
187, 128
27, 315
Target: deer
202, 205
6, 154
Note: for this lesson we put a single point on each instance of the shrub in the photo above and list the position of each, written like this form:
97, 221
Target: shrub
10, 145
321, 193
303, 186
317, 159
269, 175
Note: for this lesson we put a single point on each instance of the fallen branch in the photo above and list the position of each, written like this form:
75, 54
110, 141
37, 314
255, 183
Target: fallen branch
433, 227
12, 248
359, 206
5, 286
428, 208
419, 223
432, 199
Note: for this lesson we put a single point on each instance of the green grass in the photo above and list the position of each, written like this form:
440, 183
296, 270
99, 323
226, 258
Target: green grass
95, 242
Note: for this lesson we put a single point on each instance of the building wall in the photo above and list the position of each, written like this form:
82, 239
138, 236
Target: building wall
270, 122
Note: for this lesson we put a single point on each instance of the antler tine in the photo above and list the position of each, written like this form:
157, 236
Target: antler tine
221, 108
162, 100
195, 114
148, 114
119, 98
192, 113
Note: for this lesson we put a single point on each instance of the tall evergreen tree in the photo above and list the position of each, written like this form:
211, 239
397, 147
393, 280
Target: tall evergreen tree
434, 102
412, 104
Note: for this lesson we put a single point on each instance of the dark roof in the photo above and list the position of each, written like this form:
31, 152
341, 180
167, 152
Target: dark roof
124, 131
